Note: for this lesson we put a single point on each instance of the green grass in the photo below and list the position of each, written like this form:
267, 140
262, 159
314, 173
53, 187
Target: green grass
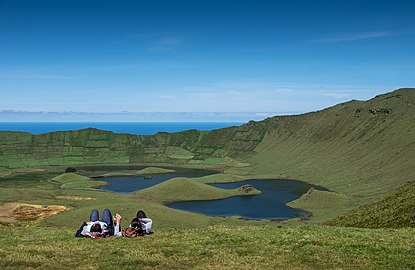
178, 153
394, 211
76, 181
5, 172
186, 189
213, 160
84, 184
70, 177
117, 174
154, 170
323, 205
221, 178
214, 247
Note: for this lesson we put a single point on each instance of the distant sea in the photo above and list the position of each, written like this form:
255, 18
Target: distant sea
141, 128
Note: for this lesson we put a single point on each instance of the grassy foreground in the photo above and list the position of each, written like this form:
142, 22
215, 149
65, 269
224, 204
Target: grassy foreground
219, 247
189, 240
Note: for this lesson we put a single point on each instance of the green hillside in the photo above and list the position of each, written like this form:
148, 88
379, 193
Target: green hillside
397, 210
360, 149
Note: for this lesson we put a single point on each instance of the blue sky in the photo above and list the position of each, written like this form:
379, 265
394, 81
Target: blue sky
272, 57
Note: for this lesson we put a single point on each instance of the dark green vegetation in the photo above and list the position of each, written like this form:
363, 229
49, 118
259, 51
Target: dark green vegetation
71, 170
219, 247
397, 210
360, 150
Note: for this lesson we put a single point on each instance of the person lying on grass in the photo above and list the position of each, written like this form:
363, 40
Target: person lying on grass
96, 228
145, 222
139, 226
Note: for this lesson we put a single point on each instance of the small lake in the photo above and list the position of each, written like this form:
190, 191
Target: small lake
127, 184
270, 204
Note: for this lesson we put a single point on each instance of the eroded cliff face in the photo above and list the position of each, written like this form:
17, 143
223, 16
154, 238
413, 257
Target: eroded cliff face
92, 146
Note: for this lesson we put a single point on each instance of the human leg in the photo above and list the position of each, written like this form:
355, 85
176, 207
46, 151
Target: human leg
107, 217
148, 224
94, 215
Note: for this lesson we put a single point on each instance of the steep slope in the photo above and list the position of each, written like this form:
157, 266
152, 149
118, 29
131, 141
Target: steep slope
363, 149
397, 210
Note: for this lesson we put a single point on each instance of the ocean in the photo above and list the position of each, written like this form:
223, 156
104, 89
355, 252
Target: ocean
141, 128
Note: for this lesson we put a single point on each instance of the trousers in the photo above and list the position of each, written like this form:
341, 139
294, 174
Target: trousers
106, 217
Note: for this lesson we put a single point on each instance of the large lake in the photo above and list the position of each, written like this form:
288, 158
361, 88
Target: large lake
270, 204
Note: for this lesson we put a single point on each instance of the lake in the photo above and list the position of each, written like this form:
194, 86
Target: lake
127, 184
270, 204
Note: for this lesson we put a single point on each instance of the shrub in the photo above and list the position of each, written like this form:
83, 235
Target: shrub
71, 170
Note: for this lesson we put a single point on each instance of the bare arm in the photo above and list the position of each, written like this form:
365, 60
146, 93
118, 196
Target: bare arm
117, 221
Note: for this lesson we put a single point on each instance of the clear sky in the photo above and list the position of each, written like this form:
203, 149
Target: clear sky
201, 56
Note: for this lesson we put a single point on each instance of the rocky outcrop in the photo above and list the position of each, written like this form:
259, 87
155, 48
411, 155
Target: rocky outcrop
380, 111
247, 188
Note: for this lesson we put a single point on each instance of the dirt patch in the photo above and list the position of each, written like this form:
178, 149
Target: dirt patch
11, 212
75, 198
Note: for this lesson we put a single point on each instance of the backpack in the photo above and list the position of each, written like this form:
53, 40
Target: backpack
138, 225
131, 232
